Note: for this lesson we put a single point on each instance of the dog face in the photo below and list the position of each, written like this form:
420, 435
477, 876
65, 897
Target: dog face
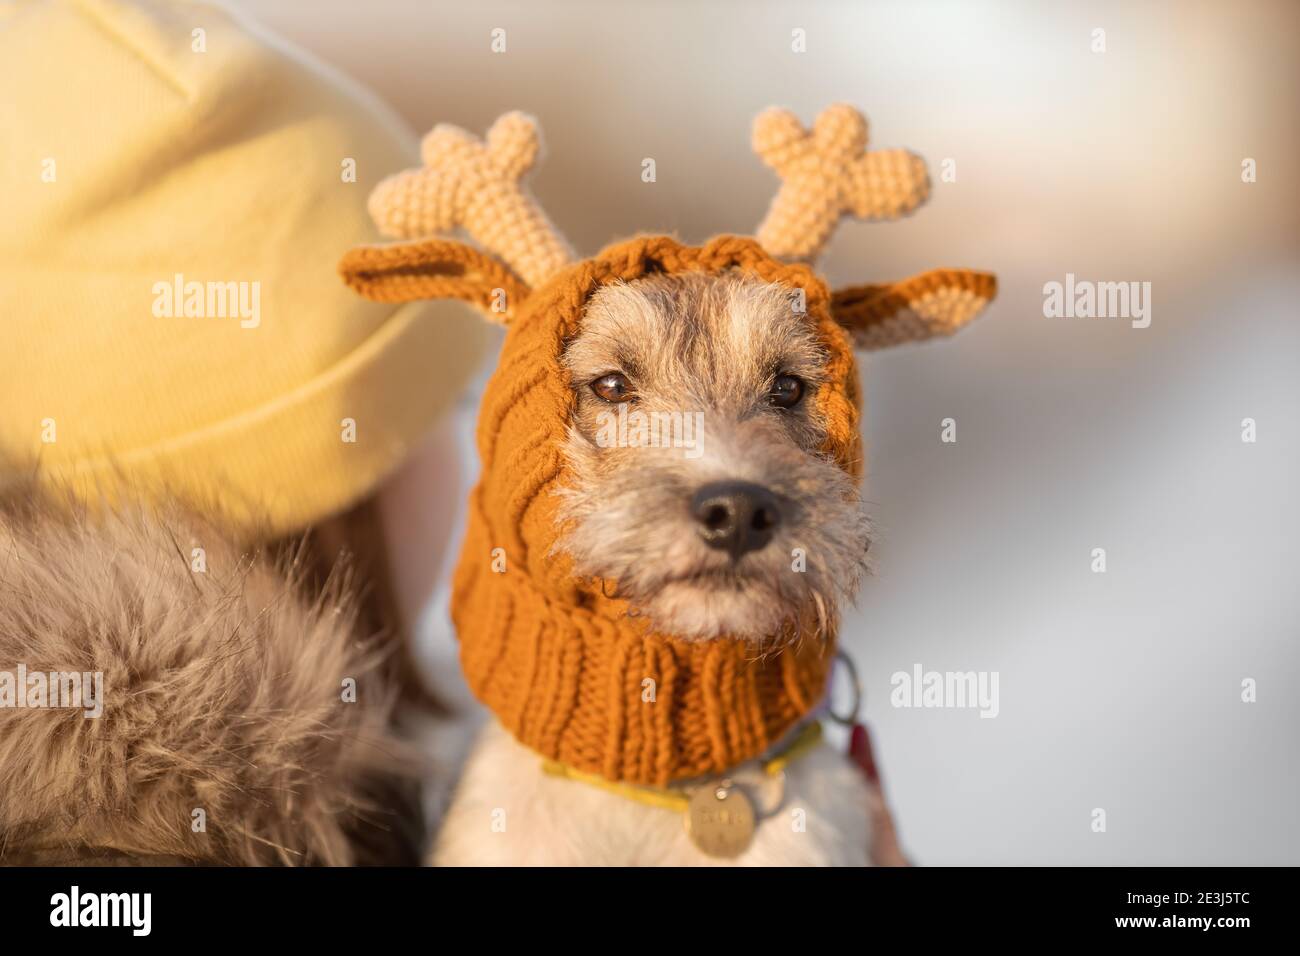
698, 484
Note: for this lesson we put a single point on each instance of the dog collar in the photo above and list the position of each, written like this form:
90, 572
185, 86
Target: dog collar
719, 814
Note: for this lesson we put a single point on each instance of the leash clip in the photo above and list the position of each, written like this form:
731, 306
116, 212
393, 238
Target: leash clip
851, 717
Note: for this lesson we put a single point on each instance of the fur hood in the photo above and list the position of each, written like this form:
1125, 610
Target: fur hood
226, 734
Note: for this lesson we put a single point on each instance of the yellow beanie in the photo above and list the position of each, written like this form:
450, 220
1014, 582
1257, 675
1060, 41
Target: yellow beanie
178, 187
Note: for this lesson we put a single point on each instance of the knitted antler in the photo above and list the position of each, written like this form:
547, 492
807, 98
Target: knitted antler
477, 185
826, 173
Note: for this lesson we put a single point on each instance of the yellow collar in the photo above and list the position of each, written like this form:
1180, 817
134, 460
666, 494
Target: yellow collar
679, 799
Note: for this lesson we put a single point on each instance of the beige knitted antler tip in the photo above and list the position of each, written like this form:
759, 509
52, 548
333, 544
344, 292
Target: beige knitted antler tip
476, 184
402, 206
447, 147
776, 133
827, 172
840, 130
514, 143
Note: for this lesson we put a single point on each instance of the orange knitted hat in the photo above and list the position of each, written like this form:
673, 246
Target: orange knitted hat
566, 669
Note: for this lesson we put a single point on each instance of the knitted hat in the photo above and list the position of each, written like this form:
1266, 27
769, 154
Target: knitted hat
560, 664
177, 186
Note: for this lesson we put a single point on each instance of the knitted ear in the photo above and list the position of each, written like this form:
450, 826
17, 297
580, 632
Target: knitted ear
434, 269
934, 303
827, 172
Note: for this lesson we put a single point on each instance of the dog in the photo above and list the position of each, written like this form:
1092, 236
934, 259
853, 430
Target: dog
669, 505
702, 546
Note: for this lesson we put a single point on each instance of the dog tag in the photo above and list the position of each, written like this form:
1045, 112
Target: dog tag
720, 820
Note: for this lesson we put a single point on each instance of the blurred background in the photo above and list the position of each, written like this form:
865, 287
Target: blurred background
1121, 690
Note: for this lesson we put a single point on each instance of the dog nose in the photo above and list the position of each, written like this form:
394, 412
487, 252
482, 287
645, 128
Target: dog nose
735, 516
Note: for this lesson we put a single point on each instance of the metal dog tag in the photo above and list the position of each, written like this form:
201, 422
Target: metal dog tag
720, 820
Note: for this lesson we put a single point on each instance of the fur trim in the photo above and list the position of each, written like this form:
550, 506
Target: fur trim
222, 692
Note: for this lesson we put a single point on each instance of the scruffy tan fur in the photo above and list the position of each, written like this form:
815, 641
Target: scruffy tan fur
696, 343
222, 692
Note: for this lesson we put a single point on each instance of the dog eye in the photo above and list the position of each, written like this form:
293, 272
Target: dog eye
786, 391
614, 387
